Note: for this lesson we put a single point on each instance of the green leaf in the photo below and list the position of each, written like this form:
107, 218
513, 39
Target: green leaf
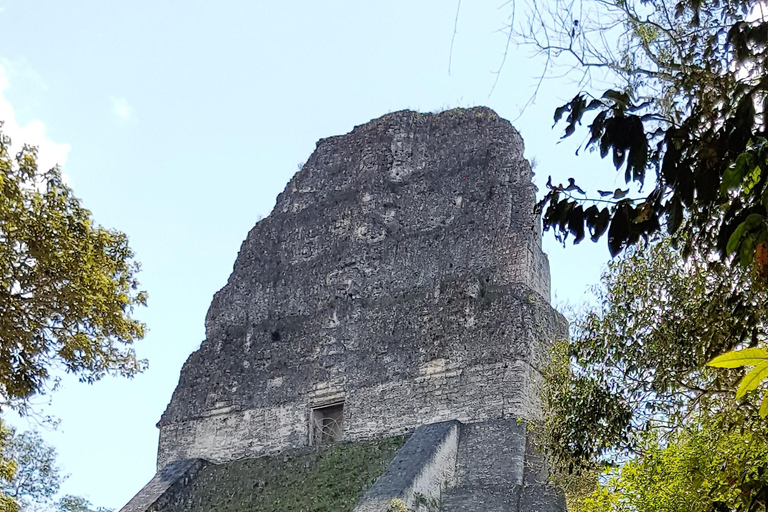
754, 179
764, 198
747, 249
752, 222
619, 231
735, 173
764, 406
752, 379
674, 210
595, 103
576, 224
597, 221
739, 358
735, 240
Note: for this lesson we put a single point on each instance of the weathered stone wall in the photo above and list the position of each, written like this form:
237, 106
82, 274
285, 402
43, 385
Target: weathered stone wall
420, 472
498, 381
499, 469
170, 479
491, 467
400, 271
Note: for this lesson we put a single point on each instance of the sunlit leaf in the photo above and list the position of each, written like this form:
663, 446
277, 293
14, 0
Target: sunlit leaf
764, 406
739, 358
735, 173
752, 379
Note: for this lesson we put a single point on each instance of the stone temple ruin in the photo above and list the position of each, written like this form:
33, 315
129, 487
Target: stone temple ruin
397, 288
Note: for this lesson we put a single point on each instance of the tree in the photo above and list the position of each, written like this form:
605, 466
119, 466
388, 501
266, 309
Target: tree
67, 293
37, 478
71, 503
686, 107
67, 286
701, 468
629, 395
7, 469
640, 354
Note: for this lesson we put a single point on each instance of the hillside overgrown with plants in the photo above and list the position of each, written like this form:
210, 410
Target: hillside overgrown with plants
330, 478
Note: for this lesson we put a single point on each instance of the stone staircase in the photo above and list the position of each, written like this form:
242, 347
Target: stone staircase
489, 466
497, 470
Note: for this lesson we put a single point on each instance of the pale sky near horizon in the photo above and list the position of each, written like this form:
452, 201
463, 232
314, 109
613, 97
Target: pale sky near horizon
179, 123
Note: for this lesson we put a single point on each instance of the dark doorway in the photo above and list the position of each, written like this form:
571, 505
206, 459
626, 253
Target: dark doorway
325, 424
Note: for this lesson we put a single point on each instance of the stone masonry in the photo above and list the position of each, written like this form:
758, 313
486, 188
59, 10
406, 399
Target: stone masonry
400, 276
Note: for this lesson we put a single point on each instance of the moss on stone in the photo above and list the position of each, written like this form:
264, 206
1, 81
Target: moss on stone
331, 478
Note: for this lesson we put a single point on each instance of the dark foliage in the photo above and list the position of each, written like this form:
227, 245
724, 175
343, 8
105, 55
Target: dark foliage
689, 114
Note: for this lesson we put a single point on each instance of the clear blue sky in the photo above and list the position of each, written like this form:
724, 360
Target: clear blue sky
184, 121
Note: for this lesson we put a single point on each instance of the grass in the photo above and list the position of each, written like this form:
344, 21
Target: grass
332, 478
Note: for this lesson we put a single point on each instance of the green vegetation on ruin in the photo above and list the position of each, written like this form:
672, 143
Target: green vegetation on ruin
331, 478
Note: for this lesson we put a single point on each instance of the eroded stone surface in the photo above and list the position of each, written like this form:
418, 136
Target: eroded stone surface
421, 471
400, 271
171, 478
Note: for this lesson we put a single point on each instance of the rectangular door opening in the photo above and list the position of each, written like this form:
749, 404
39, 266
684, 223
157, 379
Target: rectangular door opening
326, 424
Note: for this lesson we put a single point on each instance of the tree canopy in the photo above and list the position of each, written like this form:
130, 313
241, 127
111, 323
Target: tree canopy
685, 108
630, 397
68, 290
7, 469
67, 285
707, 466
36, 479
675, 94
640, 403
